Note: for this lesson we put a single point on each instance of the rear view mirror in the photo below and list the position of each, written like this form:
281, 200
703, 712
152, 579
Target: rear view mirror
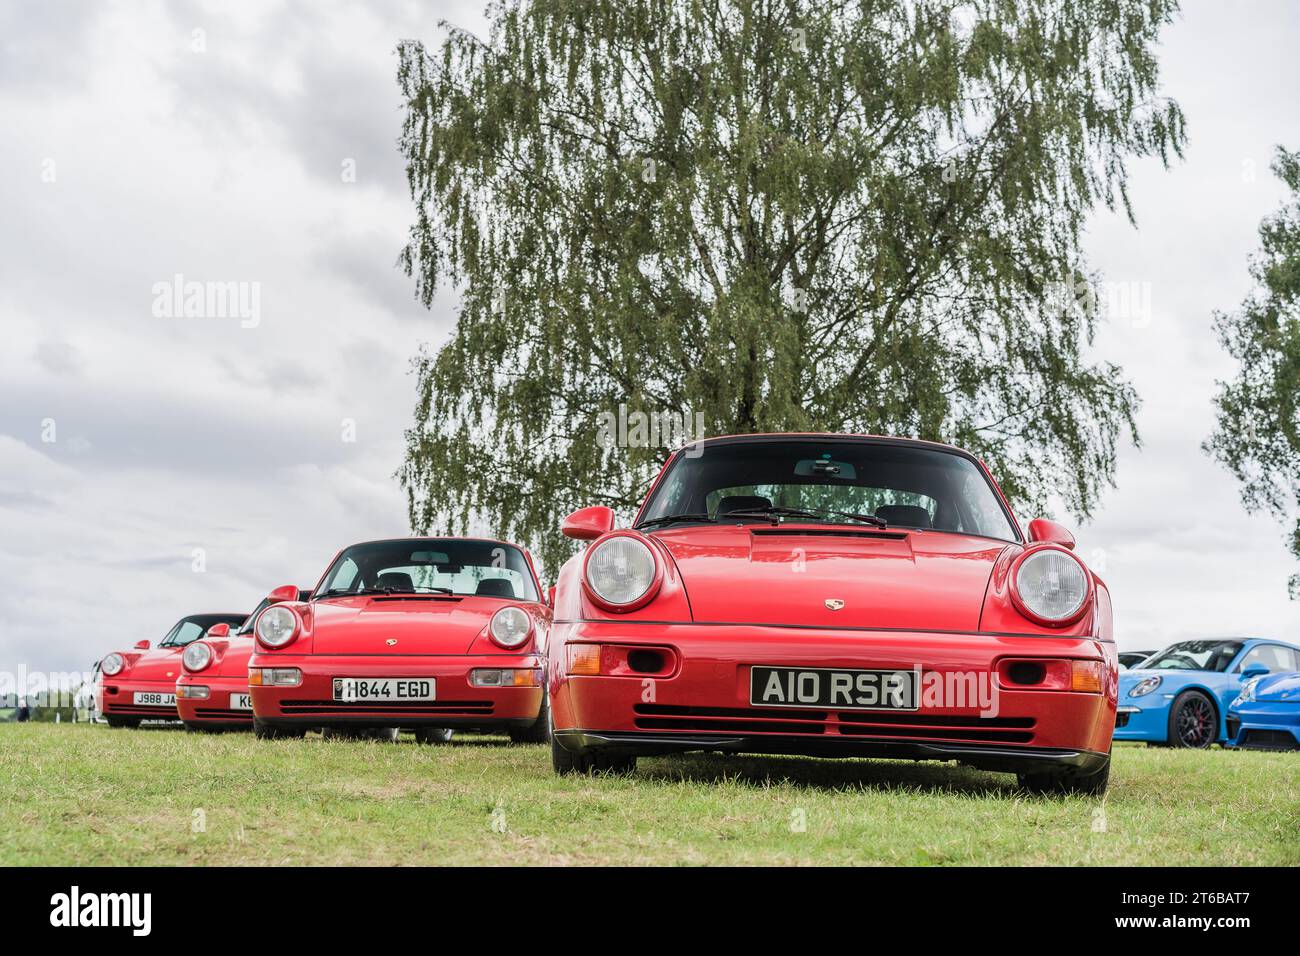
1254, 670
1046, 531
219, 630
588, 523
142, 645
550, 597
285, 592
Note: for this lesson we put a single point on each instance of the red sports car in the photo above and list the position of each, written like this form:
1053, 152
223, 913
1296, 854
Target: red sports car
838, 596
140, 684
212, 690
430, 634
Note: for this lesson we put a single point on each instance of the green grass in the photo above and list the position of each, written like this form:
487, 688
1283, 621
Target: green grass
78, 794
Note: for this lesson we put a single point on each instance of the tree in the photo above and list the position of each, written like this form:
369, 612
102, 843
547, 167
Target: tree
1257, 432
767, 215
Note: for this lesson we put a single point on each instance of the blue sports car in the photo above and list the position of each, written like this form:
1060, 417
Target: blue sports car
1181, 695
1267, 714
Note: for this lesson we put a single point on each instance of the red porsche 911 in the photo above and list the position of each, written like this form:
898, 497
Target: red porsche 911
212, 690
140, 684
836, 596
430, 634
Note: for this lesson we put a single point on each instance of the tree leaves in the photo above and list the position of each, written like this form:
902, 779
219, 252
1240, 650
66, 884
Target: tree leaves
778, 215
1257, 433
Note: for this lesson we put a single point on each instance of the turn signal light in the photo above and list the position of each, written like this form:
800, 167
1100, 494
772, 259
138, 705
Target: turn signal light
1085, 676
193, 691
506, 677
274, 677
584, 659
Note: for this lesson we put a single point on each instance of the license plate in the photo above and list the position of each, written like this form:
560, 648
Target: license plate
833, 688
155, 700
241, 701
355, 690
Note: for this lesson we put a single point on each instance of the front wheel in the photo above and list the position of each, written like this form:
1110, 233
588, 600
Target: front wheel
264, 731
590, 761
1193, 721
1069, 782
537, 732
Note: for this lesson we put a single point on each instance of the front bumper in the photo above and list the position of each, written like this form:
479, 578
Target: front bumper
216, 710
118, 699
1264, 725
1005, 759
704, 703
457, 703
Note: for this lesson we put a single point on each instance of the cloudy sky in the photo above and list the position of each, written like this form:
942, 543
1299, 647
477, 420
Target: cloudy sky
153, 465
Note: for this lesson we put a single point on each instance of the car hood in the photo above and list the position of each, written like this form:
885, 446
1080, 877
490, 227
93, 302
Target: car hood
1279, 687
795, 575
400, 624
159, 663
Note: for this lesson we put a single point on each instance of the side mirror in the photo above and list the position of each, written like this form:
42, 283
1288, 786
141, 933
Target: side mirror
286, 592
1254, 670
142, 645
550, 596
1044, 530
219, 630
588, 523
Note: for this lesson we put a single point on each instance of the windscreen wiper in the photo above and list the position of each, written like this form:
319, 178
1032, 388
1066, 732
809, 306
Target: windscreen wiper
777, 511
349, 592
669, 519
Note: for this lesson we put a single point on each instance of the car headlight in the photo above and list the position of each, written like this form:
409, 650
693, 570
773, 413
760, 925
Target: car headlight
1050, 585
1248, 689
113, 664
276, 626
1145, 686
510, 626
196, 656
621, 572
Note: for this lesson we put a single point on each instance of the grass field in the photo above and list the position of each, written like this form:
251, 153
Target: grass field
78, 794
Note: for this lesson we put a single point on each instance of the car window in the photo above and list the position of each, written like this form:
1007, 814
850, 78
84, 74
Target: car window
460, 566
183, 633
1275, 657
907, 486
1195, 656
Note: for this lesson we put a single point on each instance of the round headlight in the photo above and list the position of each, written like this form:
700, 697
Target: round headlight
510, 626
196, 656
276, 626
112, 665
1145, 686
1051, 584
621, 570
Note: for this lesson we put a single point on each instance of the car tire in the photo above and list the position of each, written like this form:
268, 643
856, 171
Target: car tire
590, 761
1193, 721
113, 721
539, 731
265, 731
433, 735
1069, 782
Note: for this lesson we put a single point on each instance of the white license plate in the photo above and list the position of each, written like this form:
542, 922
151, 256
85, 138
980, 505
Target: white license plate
155, 700
241, 701
358, 690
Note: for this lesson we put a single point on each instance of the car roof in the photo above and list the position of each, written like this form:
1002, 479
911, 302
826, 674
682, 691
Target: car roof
827, 436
